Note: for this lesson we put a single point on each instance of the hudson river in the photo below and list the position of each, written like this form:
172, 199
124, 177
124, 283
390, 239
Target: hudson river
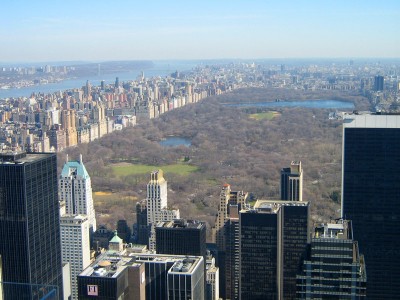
160, 68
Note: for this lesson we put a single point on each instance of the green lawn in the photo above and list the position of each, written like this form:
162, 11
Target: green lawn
265, 115
138, 169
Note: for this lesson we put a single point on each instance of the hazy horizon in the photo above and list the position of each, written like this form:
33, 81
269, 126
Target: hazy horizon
211, 30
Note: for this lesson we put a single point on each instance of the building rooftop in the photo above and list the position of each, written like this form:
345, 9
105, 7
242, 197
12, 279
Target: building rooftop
182, 223
272, 206
116, 239
371, 120
157, 177
75, 168
111, 264
17, 157
72, 219
338, 229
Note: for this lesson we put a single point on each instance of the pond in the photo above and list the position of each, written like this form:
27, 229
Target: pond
336, 104
174, 141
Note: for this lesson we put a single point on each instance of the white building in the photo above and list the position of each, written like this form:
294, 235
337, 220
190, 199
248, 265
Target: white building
75, 246
212, 279
75, 188
157, 206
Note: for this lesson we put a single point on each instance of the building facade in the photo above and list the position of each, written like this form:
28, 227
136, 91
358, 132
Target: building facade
232, 255
227, 197
75, 188
379, 83
129, 276
212, 279
273, 244
75, 246
370, 196
157, 205
184, 287
292, 182
142, 228
30, 246
334, 268
181, 237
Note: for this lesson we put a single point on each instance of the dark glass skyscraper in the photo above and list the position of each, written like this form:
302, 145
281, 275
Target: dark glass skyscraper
379, 83
334, 268
371, 197
30, 246
292, 182
181, 237
273, 244
143, 229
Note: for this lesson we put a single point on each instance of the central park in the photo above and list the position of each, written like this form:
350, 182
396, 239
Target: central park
243, 146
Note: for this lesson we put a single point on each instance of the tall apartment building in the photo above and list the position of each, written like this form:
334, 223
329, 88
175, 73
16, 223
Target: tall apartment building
292, 182
75, 246
157, 205
30, 247
181, 237
227, 197
334, 268
370, 196
75, 188
273, 244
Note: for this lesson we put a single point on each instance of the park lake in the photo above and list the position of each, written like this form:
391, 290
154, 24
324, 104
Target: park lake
174, 141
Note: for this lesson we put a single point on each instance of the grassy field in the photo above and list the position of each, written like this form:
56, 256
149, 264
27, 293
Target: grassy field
138, 169
265, 115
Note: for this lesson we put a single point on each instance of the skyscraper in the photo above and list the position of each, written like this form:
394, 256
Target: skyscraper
273, 243
75, 246
292, 182
181, 237
334, 268
379, 83
232, 255
227, 198
370, 196
30, 247
157, 209
116, 85
75, 188
212, 279
222, 229
142, 228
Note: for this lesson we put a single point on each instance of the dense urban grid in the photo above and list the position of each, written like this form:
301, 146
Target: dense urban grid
52, 122
52, 247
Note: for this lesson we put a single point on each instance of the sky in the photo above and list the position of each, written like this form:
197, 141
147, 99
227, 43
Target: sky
97, 30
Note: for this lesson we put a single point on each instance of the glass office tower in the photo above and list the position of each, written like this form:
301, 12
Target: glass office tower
272, 247
371, 196
334, 268
30, 246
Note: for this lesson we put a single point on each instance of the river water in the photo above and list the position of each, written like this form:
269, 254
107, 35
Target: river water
159, 68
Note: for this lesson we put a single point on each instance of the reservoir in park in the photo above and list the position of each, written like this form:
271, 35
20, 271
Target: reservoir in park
175, 141
328, 104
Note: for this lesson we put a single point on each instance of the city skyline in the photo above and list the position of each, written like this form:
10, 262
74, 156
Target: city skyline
181, 30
